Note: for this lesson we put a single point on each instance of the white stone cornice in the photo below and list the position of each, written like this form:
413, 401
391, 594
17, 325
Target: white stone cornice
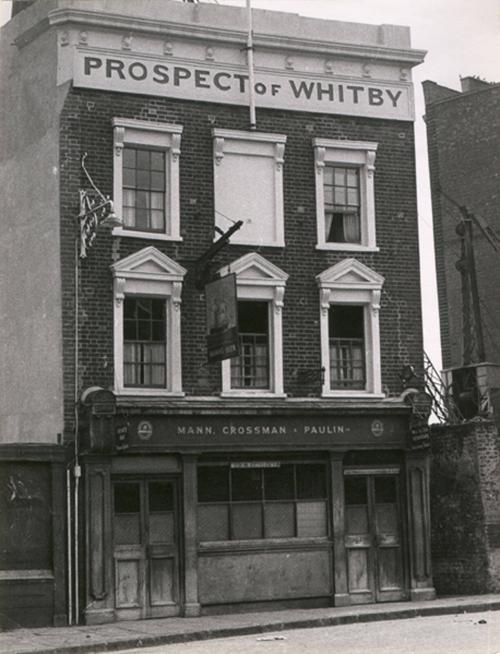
240, 135
319, 142
149, 126
100, 20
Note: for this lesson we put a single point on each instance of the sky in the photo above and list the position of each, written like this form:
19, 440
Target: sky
462, 37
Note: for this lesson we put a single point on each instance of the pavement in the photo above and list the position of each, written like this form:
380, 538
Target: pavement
149, 633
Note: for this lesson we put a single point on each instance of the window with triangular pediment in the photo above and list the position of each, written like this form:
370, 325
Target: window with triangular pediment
147, 289
258, 370
349, 324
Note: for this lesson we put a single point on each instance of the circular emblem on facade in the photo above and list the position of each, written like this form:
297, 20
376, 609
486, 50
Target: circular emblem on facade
377, 428
144, 430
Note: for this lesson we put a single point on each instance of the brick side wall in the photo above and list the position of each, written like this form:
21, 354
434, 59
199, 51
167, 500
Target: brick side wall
464, 160
86, 127
465, 518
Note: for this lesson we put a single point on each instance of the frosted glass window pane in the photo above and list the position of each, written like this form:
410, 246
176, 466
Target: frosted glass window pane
279, 520
161, 528
127, 529
213, 522
247, 521
356, 519
311, 519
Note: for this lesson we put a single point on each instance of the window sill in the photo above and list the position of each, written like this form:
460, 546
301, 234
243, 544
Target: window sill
250, 394
150, 236
222, 546
347, 247
366, 395
148, 392
280, 244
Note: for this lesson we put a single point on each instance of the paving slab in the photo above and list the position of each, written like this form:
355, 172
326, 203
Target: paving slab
146, 633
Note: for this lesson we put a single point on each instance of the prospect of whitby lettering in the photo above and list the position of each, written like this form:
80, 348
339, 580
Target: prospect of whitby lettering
229, 84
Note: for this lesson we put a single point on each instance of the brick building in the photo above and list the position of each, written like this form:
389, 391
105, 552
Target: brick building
286, 475
464, 159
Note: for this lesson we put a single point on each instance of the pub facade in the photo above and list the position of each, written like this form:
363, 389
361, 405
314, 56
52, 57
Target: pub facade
290, 473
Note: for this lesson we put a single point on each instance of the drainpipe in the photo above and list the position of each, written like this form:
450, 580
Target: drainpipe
251, 77
69, 547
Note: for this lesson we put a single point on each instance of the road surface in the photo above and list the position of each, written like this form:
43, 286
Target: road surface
469, 633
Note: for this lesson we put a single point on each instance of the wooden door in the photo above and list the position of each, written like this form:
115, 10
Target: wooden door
145, 548
373, 537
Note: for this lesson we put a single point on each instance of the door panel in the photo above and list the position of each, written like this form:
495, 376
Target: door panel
388, 543
373, 541
162, 549
128, 580
161, 577
145, 548
358, 541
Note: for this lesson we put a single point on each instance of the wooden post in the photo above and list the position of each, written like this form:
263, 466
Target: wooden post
341, 591
417, 470
190, 500
100, 592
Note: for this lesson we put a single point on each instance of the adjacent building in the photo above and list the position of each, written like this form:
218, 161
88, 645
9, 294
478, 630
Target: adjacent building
464, 160
173, 483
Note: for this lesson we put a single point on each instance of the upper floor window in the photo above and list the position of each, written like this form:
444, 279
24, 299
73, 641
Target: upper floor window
347, 346
251, 368
345, 202
342, 205
147, 289
146, 178
258, 370
248, 185
144, 342
144, 188
350, 334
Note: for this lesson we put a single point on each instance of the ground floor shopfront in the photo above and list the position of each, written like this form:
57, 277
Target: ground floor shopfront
218, 510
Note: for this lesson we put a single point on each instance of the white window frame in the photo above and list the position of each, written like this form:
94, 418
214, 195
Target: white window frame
351, 282
261, 144
358, 154
260, 280
149, 273
161, 136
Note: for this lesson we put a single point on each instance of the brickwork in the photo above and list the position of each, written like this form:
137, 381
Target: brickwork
465, 518
86, 127
464, 159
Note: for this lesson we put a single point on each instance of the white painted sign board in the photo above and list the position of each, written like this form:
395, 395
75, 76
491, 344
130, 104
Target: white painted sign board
224, 83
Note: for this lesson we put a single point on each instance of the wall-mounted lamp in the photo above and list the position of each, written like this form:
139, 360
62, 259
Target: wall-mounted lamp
96, 211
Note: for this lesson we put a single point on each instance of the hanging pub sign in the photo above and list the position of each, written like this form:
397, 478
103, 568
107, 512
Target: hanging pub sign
421, 404
222, 318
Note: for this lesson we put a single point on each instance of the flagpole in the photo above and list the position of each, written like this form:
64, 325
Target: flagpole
251, 77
